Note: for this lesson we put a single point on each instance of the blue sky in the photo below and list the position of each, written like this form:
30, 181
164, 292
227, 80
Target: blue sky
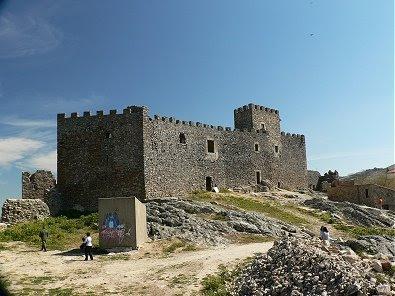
328, 66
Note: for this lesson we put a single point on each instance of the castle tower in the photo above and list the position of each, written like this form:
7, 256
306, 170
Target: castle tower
257, 117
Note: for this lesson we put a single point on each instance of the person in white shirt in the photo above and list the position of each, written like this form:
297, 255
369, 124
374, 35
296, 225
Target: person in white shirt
88, 246
324, 235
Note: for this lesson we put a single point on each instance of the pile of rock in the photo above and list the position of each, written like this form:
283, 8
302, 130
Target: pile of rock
21, 210
300, 267
206, 223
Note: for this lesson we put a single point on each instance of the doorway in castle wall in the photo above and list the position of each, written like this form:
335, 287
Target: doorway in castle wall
209, 183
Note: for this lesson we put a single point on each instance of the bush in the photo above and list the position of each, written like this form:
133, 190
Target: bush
63, 232
4, 287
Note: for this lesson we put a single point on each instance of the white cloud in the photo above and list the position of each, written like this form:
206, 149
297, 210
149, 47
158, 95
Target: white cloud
21, 122
26, 35
44, 161
16, 149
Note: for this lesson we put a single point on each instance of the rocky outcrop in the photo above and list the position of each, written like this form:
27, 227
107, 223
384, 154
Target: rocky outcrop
374, 244
356, 214
300, 267
206, 223
21, 210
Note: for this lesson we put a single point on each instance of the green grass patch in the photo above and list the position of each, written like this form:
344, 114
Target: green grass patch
174, 246
182, 280
271, 209
60, 292
361, 230
179, 245
63, 232
217, 284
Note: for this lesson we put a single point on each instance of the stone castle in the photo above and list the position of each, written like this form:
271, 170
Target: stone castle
132, 154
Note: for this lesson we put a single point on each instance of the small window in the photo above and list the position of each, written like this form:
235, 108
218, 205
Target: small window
366, 193
183, 139
276, 149
263, 126
256, 147
210, 146
278, 185
258, 177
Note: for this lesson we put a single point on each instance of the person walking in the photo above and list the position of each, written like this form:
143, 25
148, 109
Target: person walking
88, 246
43, 237
324, 234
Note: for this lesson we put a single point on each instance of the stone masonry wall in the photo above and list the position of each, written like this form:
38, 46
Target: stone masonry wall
21, 210
131, 154
37, 185
312, 179
368, 195
100, 156
293, 162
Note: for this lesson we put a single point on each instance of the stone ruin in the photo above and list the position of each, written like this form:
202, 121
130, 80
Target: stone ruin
325, 181
37, 185
22, 210
40, 199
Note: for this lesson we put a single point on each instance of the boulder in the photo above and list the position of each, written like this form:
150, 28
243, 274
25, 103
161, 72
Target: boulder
376, 265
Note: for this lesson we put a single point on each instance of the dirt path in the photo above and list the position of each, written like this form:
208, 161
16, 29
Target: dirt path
143, 272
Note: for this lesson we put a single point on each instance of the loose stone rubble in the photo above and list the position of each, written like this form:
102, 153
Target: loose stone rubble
302, 267
206, 223
22, 210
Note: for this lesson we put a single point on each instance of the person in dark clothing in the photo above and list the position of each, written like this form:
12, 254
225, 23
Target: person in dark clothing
88, 246
43, 236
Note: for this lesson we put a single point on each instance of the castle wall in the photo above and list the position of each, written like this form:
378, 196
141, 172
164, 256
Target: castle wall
293, 161
174, 169
131, 154
100, 156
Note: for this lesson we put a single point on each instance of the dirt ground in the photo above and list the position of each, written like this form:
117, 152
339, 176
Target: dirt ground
147, 271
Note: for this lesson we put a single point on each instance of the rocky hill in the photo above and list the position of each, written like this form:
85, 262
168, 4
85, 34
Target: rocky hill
381, 176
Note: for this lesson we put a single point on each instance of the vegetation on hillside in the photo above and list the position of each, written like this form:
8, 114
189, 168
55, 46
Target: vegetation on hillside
271, 209
63, 232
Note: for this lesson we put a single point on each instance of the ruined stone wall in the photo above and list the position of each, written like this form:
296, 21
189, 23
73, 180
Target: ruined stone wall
22, 210
364, 194
100, 156
37, 185
293, 161
312, 179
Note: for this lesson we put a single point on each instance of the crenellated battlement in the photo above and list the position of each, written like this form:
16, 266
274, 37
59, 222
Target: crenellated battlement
164, 119
289, 135
252, 106
128, 110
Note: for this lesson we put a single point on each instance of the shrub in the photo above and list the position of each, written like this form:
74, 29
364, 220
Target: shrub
4, 287
63, 232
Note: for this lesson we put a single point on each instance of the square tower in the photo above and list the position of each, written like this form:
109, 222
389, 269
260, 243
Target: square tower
257, 117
